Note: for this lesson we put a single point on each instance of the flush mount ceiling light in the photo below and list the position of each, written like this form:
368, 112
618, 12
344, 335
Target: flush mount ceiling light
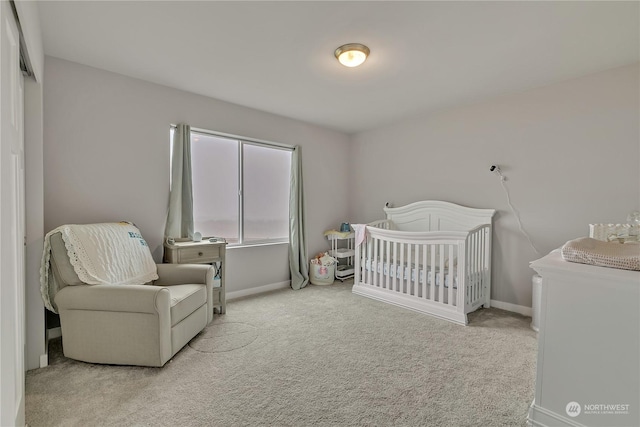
352, 54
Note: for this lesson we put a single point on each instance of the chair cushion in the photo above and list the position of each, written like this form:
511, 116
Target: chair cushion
185, 299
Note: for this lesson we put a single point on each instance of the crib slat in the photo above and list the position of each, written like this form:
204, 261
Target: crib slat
415, 286
415, 271
395, 263
474, 263
400, 269
476, 268
451, 300
424, 271
369, 244
375, 259
432, 273
387, 257
407, 289
441, 273
363, 261
479, 280
471, 269
483, 264
480, 267
381, 261
486, 267
461, 276
465, 272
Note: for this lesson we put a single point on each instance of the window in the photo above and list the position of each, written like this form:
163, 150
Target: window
240, 188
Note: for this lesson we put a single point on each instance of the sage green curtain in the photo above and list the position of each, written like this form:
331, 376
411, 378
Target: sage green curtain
298, 262
180, 214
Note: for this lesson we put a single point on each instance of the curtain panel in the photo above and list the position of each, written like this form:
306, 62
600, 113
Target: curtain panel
298, 262
180, 214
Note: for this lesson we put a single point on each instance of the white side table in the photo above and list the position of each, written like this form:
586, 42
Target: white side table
185, 251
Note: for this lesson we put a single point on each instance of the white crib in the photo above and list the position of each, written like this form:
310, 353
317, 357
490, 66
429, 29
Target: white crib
431, 256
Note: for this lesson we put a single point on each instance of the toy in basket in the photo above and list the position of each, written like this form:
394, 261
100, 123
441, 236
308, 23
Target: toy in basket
322, 269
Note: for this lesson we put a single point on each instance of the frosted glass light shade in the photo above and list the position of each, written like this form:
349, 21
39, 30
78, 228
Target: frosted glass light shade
352, 54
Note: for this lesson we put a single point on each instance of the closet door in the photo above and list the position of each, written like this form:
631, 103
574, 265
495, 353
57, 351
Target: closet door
12, 259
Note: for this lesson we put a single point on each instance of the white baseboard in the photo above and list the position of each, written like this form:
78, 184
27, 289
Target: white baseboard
257, 290
542, 417
520, 309
44, 360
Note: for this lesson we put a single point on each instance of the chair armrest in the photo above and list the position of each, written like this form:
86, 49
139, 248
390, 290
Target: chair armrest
180, 274
122, 298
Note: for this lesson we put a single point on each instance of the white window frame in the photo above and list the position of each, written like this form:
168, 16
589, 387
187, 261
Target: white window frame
242, 141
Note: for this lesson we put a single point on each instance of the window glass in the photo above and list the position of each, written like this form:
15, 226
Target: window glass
215, 171
257, 213
266, 193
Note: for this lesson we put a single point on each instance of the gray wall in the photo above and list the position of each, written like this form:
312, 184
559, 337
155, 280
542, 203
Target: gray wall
106, 158
570, 151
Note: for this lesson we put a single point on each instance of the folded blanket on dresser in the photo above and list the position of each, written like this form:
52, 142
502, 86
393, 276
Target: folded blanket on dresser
586, 250
101, 254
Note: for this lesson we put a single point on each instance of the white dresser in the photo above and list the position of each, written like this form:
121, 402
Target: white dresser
588, 371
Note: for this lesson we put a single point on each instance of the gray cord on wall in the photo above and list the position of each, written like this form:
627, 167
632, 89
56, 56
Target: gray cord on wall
513, 209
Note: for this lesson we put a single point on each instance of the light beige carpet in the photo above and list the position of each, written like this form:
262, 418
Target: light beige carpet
319, 356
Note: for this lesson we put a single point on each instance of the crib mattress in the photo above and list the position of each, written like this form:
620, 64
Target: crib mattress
394, 270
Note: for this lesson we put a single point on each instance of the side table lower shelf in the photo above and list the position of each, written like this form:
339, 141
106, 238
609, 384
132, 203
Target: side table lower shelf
184, 251
219, 298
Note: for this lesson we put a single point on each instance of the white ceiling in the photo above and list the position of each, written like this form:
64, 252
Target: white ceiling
278, 56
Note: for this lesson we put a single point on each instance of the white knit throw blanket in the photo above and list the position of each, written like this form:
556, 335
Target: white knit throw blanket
101, 254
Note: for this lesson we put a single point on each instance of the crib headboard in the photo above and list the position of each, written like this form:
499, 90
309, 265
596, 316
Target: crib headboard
434, 215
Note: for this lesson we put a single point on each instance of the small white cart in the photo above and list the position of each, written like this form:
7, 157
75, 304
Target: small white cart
343, 249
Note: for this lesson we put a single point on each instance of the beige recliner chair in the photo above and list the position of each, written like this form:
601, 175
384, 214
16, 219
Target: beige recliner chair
131, 324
